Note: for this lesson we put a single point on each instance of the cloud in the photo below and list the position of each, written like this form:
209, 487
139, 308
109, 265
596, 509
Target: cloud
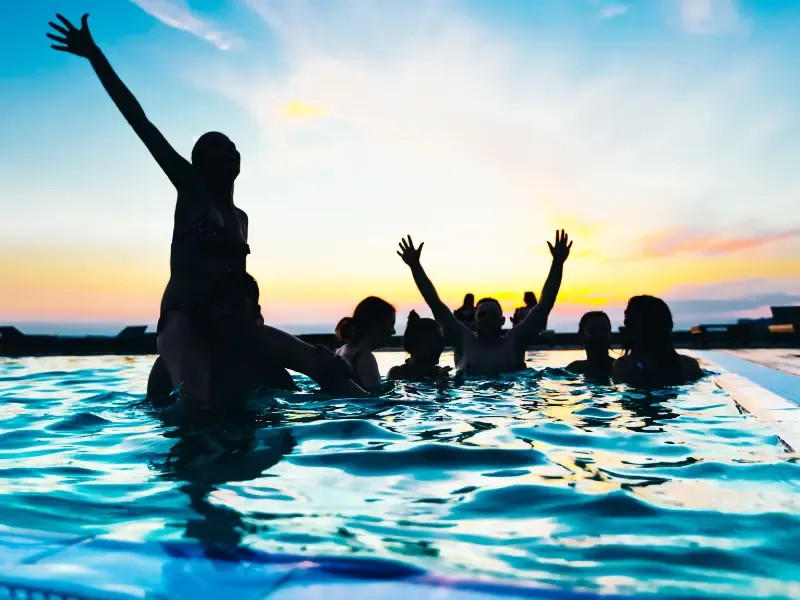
177, 14
709, 243
709, 16
613, 10
432, 121
298, 110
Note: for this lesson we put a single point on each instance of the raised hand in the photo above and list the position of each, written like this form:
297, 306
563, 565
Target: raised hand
409, 253
562, 246
71, 39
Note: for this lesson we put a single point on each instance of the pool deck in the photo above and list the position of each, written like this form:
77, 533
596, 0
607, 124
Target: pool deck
764, 383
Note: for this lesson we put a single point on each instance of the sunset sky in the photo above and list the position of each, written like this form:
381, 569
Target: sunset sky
664, 135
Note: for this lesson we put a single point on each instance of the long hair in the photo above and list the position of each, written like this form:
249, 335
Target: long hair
370, 312
648, 330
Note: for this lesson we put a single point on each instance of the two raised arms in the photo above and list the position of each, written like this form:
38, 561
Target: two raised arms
79, 42
534, 320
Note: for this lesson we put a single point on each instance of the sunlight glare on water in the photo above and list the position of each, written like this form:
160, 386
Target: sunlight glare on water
535, 476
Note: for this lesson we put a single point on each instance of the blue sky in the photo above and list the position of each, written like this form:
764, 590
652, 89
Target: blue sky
662, 133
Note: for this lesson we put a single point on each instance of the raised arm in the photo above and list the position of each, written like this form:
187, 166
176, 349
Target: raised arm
80, 43
536, 318
443, 315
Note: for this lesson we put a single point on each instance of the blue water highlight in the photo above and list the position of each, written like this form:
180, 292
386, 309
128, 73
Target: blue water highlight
537, 476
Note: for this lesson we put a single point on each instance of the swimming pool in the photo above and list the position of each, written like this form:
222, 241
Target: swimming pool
534, 476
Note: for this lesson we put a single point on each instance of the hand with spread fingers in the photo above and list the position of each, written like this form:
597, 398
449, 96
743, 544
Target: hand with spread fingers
560, 250
409, 253
71, 39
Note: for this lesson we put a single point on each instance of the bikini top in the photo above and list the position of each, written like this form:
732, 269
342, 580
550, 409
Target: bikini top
208, 235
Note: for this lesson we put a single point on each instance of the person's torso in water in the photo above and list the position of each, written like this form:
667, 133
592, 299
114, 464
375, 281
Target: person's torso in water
480, 357
207, 241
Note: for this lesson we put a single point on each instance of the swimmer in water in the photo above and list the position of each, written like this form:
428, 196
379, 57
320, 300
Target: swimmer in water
237, 368
209, 239
371, 327
519, 313
650, 358
423, 340
595, 330
466, 312
487, 350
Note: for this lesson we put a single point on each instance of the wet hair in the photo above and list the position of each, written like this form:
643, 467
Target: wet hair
204, 143
648, 329
469, 299
419, 331
592, 314
530, 298
370, 312
233, 288
489, 301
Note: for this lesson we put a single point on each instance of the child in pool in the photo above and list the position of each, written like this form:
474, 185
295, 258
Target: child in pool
424, 342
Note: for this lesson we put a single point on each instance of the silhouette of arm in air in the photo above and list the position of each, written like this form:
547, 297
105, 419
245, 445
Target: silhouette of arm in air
79, 42
536, 318
452, 327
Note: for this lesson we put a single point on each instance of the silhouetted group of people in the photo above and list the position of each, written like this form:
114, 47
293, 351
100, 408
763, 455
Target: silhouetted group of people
213, 342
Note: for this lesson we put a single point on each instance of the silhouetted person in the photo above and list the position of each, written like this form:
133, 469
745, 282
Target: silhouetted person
423, 340
466, 312
487, 350
595, 331
237, 367
371, 327
650, 357
520, 313
209, 239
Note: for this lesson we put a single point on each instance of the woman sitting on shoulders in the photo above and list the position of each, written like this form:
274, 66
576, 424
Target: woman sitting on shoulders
371, 327
424, 342
650, 358
595, 331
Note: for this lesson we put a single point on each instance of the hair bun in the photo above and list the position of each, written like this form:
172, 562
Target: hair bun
345, 329
413, 317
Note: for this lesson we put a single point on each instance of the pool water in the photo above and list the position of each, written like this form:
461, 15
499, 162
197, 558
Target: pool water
536, 476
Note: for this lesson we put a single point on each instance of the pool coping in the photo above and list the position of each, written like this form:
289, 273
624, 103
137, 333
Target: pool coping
771, 396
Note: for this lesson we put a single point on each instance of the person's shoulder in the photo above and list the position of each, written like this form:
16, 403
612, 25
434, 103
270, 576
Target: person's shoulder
624, 368
577, 366
690, 366
396, 372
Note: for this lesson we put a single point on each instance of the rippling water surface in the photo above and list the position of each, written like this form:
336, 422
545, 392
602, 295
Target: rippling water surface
536, 476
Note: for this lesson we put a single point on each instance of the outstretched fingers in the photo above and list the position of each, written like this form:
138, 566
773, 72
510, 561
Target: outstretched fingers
58, 28
57, 38
66, 22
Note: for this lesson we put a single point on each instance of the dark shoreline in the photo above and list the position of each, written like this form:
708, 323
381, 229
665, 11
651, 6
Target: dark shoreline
135, 341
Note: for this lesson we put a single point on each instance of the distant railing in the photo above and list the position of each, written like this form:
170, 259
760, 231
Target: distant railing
136, 340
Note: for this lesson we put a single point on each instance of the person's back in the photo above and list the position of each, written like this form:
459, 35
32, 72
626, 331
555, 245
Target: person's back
424, 342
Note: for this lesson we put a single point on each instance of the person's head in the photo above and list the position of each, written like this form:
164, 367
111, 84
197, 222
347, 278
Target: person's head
234, 297
530, 299
489, 319
469, 301
372, 323
216, 157
595, 331
423, 339
648, 324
